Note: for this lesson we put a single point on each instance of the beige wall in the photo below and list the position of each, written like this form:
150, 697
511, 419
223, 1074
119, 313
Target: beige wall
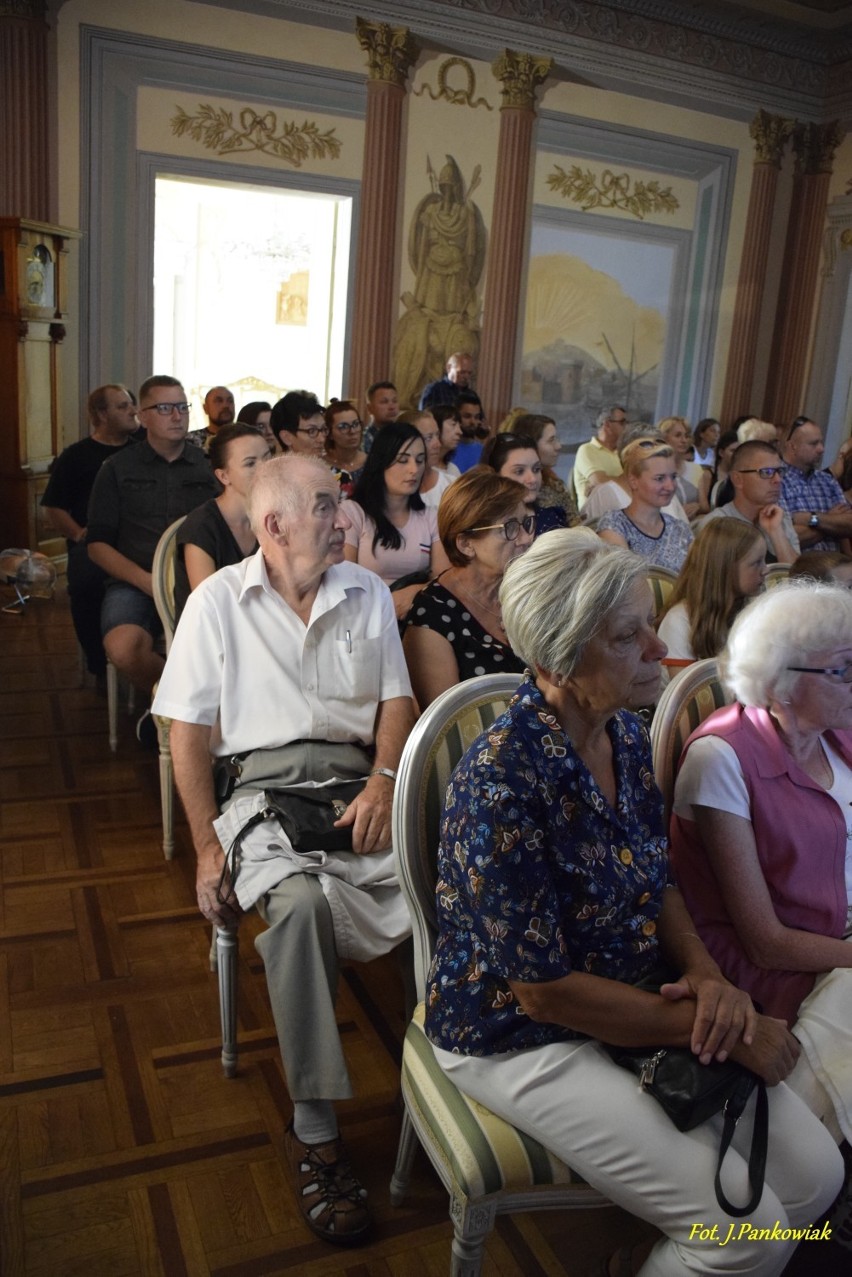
433, 129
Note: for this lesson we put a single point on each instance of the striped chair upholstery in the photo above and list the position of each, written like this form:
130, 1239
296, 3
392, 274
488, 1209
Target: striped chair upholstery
687, 700
775, 574
487, 1166
662, 582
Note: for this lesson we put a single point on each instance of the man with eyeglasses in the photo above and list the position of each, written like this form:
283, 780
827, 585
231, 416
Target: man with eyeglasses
821, 514
597, 461
288, 668
136, 495
756, 475
298, 423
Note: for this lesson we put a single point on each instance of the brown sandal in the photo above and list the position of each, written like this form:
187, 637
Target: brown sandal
333, 1203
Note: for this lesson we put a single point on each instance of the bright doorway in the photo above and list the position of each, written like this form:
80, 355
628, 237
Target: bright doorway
250, 288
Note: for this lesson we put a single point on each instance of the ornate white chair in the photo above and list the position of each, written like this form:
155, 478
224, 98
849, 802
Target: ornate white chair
163, 576
690, 698
775, 574
662, 582
112, 704
487, 1166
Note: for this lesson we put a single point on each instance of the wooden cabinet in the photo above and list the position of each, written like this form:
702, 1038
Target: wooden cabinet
33, 317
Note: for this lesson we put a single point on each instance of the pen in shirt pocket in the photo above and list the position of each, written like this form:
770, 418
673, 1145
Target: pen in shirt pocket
349, 642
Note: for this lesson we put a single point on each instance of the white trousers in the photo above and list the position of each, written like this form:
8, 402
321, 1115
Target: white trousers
574, 1100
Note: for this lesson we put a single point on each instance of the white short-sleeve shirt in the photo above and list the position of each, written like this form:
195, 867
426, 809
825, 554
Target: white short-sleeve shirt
245, 664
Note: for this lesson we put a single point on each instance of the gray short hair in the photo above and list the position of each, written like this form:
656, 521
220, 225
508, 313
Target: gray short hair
557, 595
278, 487
783, 627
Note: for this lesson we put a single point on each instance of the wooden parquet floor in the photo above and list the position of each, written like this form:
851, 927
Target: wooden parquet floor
123, 1150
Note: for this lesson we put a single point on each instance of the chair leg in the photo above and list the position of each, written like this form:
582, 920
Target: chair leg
112, 705
471, 1226
226, 952
401, 1177
167, 791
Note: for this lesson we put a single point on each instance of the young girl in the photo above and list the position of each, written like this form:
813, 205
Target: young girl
725, 567
516, 457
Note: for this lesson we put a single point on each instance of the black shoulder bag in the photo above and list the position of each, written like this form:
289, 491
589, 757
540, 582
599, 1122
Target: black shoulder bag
690, 1092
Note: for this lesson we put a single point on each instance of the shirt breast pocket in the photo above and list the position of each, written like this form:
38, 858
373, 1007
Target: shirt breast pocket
355, 667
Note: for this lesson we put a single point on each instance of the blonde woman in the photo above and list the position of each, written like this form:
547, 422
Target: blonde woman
651, 476
693, 481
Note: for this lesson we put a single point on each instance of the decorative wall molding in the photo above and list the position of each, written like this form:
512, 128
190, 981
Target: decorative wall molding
214, 128
391, 51
829, 397
116, 340
815, 144
446, 93
770, 133
32, 9
520, 75
612, 190
649, 48
697, 290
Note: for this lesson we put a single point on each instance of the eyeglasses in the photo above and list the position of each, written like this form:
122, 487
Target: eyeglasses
511, 528
166, 409
313, 432
347, 426
765, 472
841, 674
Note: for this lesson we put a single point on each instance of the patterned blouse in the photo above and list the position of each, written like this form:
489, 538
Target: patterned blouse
476, 651
668, 550
538, 876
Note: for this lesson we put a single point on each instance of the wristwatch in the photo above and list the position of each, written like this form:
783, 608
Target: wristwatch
383, 771
813, 521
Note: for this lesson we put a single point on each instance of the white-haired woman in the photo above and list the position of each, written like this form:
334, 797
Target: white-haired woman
762, 826
651, 477
555, 900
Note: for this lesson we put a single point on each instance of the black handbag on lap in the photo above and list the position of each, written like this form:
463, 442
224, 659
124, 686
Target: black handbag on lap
306, 817
691, 1092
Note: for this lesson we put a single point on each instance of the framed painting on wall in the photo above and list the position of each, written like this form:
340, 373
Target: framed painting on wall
602, 320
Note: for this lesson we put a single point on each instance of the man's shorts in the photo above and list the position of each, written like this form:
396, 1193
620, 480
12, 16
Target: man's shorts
125, 605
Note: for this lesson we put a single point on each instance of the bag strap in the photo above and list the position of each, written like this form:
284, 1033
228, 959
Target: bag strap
757, 1156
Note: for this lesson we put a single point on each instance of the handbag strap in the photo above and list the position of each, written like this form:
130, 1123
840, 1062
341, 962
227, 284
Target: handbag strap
757, 1156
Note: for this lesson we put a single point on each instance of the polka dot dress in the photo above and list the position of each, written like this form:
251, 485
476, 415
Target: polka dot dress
476, 651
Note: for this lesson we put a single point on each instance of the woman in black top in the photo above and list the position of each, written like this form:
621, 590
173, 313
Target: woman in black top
455, 630
218, 532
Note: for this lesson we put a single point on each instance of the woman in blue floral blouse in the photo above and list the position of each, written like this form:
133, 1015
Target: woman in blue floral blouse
555, 899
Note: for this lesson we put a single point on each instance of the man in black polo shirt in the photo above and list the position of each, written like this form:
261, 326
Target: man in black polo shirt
112, 416
137, 494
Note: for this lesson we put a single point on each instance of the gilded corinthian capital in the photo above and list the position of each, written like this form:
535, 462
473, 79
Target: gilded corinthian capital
391, 51
520, 74
815, 145
770, 133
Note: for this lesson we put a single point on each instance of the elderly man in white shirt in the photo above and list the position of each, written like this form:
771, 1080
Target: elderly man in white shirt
287, 668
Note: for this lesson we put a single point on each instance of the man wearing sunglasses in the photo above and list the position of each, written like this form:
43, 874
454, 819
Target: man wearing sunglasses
136, 495
813, 497
756, 476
